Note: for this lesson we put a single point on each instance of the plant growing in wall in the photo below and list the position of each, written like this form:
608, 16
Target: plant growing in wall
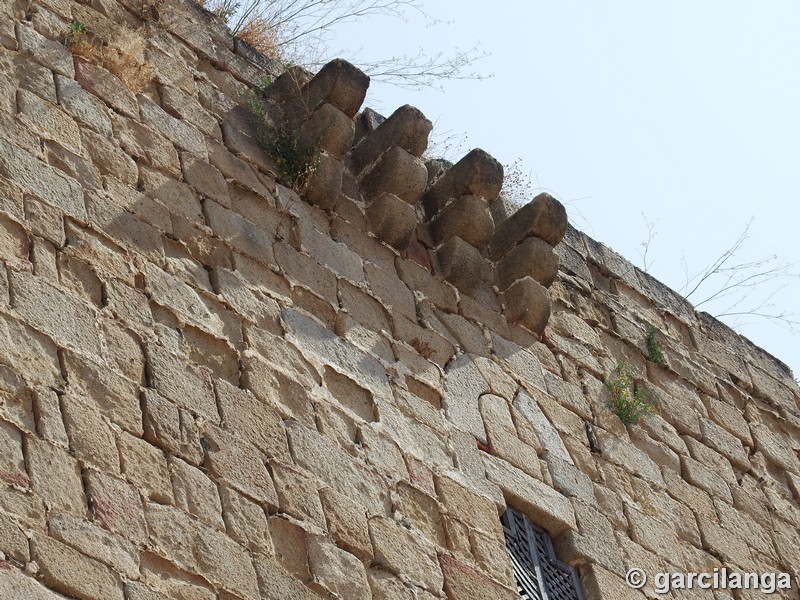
630, 396
276, 139
654, 351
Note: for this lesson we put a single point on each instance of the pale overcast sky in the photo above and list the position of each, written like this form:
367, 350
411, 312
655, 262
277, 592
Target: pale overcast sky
688, 112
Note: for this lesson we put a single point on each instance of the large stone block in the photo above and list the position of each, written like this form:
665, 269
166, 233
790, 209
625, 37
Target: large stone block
49, 121
48, 308
201, 550
97, 543
545, 506
70, 572
545, 217
116, 505
340, 84
400, 550
337, 571
324, 180
528, 303
392, 220
462, 581
238, 463
397, 172
245, 521
329, 129
48, 183
532, 258
464, 385
477, 174
344, 474
185, 384
467, 217
184, 136
407, 127
96, 80
462, 264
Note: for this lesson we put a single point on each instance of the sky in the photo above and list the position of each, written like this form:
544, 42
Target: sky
677, 118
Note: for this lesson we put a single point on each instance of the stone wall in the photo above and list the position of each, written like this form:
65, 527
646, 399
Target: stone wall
213, 387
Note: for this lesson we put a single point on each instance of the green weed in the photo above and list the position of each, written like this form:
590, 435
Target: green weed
631, 398
654, 351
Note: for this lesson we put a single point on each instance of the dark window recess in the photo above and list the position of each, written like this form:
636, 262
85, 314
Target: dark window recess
539, 574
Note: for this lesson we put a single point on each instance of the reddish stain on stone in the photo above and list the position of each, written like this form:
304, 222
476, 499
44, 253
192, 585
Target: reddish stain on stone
419, 254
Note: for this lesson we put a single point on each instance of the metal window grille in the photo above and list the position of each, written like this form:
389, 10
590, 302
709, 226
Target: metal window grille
539, 574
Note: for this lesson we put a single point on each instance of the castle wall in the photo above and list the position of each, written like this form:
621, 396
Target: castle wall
213, 387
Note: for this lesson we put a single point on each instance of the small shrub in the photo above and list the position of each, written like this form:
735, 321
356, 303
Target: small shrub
278, 140
631, 398
654, 351
77, 39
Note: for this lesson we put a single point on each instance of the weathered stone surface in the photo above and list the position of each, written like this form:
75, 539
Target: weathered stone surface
462, 264
276, 583
397, 172
347, 522
392, 220
100, 82
49, 121
55, 477
467, 217
322, 346
145, 466
340, 84
528, 303
629, 457
464, 385
116, 552
337, 571
239, 464
418, 279
776, 447
201, 549
180, 133
90, 437
196, 494
46, 52
72, 573
257, 421
592, 543
407, 128
533, 257
402, 552
476, 174
245, 521
116, 506
184, 106
49, 184
15, 584
461, 581
204, 178
315, 453
547, 507
701, 476
544, 217
328, 129
324, 180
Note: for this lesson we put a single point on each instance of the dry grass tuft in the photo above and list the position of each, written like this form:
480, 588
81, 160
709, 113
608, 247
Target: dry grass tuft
261, 35
125, 57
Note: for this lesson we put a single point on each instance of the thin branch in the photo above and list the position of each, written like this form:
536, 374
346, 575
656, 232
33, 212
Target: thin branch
645, 244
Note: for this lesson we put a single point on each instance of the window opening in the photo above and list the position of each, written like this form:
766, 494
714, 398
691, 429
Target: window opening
539, 574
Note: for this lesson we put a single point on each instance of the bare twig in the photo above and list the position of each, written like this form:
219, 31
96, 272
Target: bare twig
645, 245
298, 32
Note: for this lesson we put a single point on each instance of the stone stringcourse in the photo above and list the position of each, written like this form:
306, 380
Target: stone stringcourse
215, 385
